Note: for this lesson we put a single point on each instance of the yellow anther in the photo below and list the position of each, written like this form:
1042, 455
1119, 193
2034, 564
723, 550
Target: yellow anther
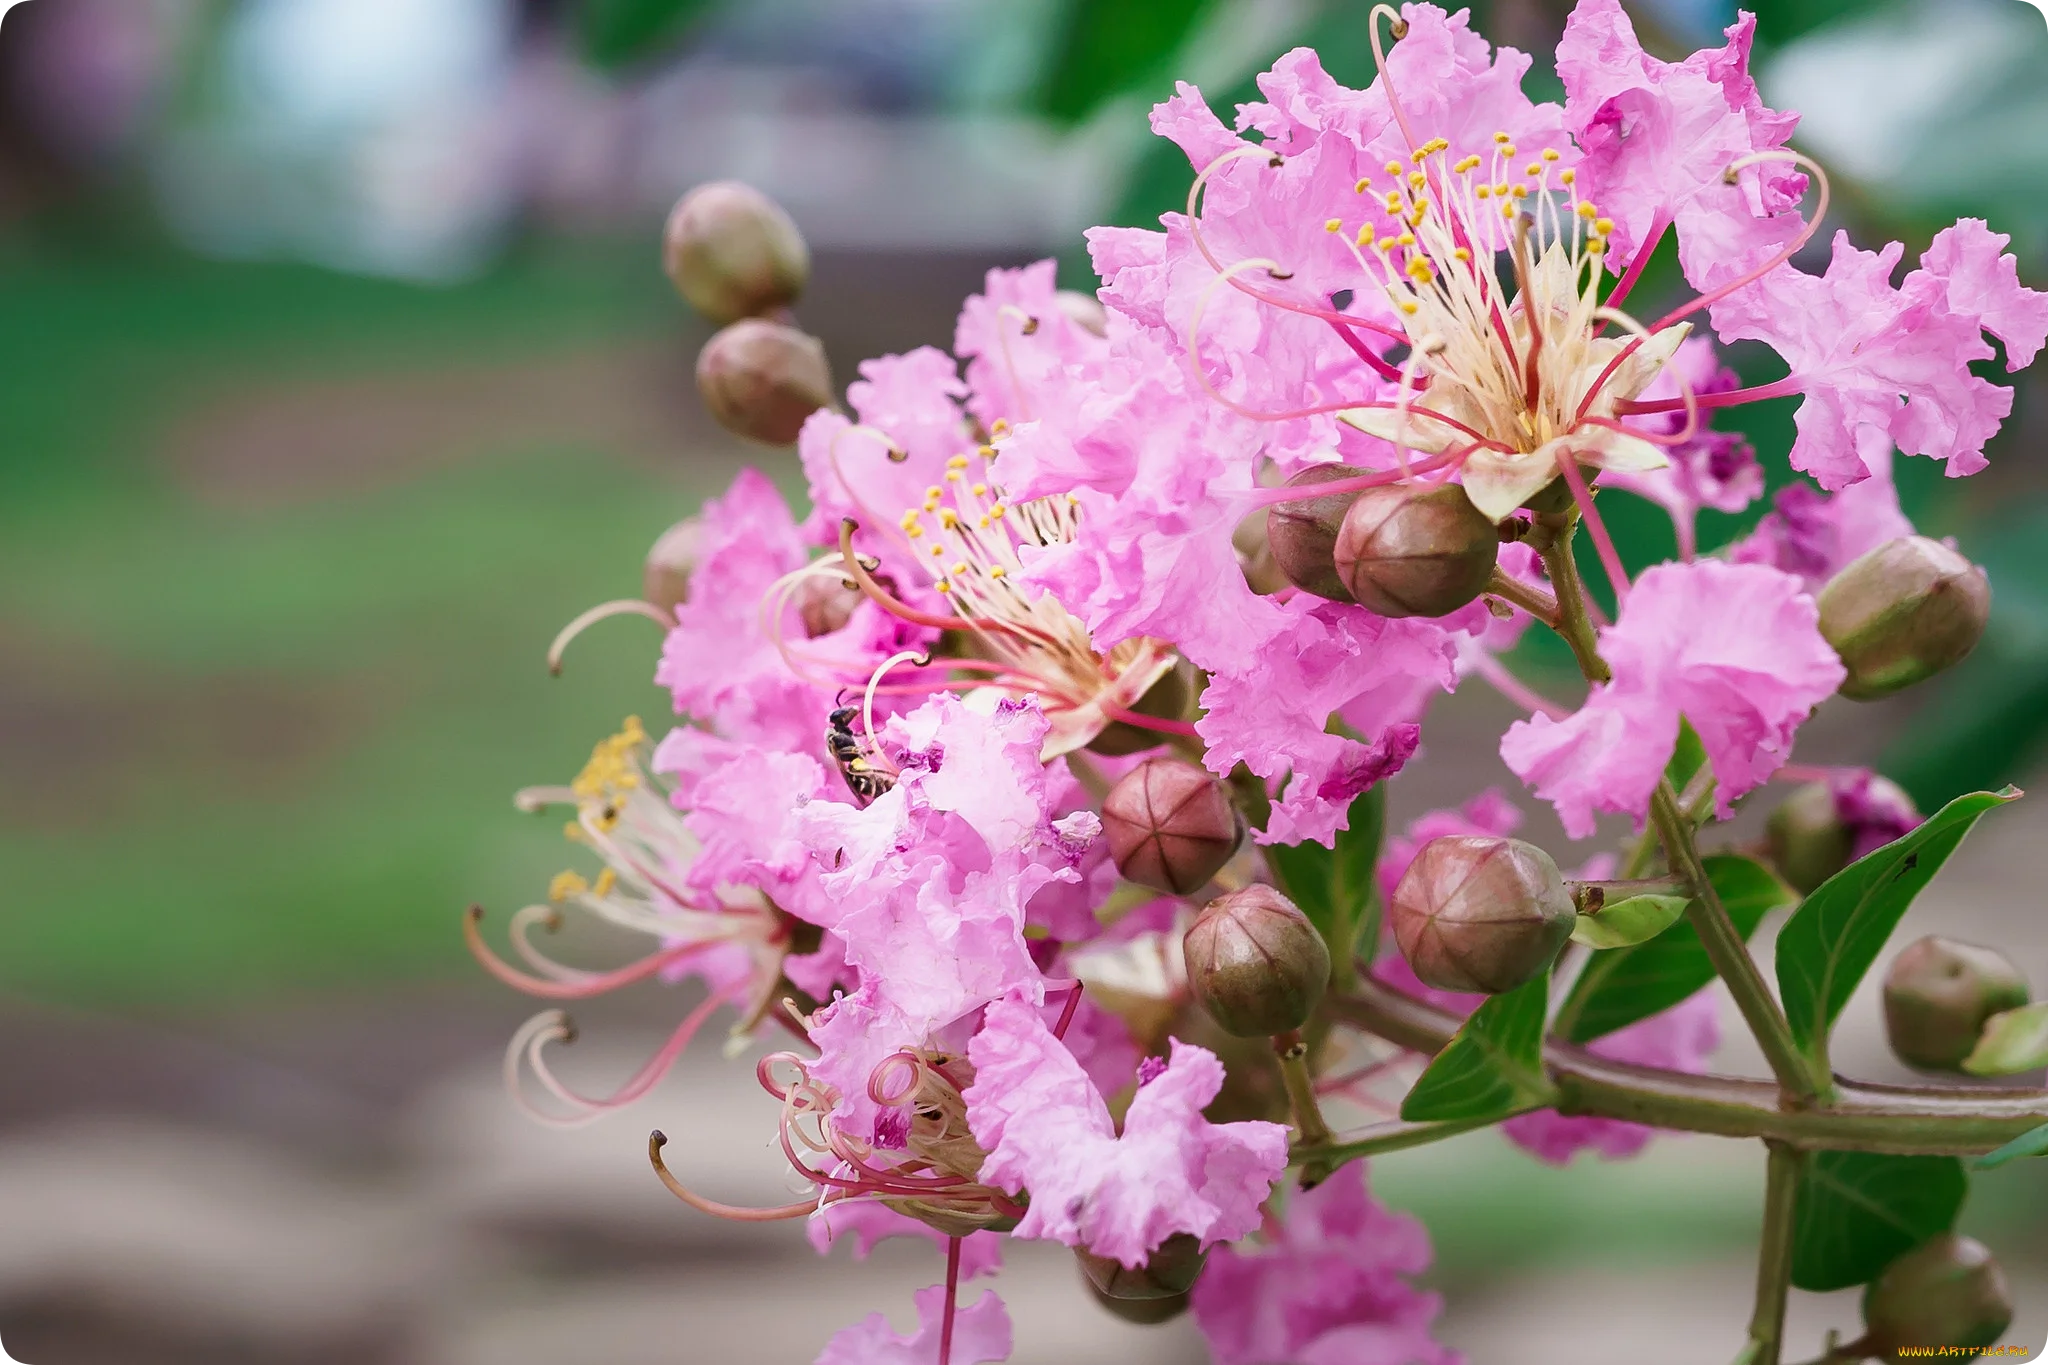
1550, 153
1507, 149
1587, 211
979, 490
999, 426
1533, 168
954, 475
1393, 202
915, 531
1500, 138
1501, 188
1484, 191
1393, 168
942, 586
1410, 306
1416, 180
1469, 164
934, 493
984, 523
1597, 247
1364, 237
1462, 254
1406, 239
909, 519
1364, 182
1567, 176
957, 462
959, 567
1518, 191
949, 519
1333, 224
997, 510
1419, 269
999, 572
567, 884
1507, 211
989, 452
573, 832
938, 550
1604, 226
606, 880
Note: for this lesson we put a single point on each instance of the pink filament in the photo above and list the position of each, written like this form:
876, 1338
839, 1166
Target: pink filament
597, 983
1778, 388
1658, 228
658, 1139
1568, 466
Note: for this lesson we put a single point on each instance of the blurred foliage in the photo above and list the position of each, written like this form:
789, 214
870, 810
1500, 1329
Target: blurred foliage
619, 32
1099, 51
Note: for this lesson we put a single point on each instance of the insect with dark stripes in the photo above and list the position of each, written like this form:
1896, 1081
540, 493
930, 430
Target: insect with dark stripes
863, 778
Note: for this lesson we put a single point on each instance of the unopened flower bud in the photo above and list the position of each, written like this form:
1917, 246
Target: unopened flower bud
1142, 1312
1166, 699
1404, 553
665, 578
1480, 913
1947, 1292
1303, 534
1938, 995
1170, 1270
1255, 963
1083, 310
1254, 546
762, 379
733, 253
1902, 613
1809, 839
1171, 825
825, 603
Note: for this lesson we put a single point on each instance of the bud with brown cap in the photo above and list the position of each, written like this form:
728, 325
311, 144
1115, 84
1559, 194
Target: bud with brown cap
761, 380
1947, 1292
1406, 553
1171, 825
1938, 995
665, 578
733, 253
1170, 1270
1480, 913
1166, 699
1255, 963
825, 603
1902, 613
1302, 534
1142, 1312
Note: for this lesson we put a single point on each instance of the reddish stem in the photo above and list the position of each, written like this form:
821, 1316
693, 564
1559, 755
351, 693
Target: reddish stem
1757, 393
952, 1298
597, 983
1568, 466
1658, 228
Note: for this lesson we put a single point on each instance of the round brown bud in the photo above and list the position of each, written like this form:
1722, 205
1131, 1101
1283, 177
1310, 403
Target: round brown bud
1171, 825
1170, 1270
1403, 553
1945, 1292
1166, 699
1142, 1312
1809, 840
761, 380
665, 578
1083, 310
1255, 555
1255, 963
825, 603
733, 253
1303, 533
1902, 613
1937, 996
1480, 913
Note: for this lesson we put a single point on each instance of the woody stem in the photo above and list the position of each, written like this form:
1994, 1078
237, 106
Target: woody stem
1310, 1129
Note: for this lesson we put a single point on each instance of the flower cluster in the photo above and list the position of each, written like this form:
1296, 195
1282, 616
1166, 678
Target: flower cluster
1038, 592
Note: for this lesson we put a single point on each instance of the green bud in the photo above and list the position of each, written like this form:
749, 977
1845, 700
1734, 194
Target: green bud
665, 578
1255, 962
733, 253
1903, 613
1404, 553
1254, 546
1166, 699
1945, 1292
1480, 913
1170, 1271
1937, 996
1302, 534
761, 379
1809, 840
1171, 825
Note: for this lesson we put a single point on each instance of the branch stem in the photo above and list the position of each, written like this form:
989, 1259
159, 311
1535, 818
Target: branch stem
1310, 1128
1774, 1260
1393, 1136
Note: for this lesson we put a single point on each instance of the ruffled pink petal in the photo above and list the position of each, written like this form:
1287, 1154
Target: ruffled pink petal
981, 1335
867, 1222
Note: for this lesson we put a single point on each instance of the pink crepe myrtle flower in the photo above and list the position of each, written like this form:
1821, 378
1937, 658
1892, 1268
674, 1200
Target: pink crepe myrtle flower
1815, 535
1327, 1284
1883, 365
1710, 469
1659, 138
1682, 1038
1047, 1130
976, 1335
1735, 648
865, 1223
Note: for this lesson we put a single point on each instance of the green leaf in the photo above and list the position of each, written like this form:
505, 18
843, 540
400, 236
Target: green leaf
1494, 1067
616, 32
1832, 939
1860, 1211
1624, 924
1688, 758
1103, 50
1334, 886
2014, 1041
1619, 987
2033, 1142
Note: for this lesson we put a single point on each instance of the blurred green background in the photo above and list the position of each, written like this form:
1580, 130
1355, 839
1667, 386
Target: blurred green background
337, 371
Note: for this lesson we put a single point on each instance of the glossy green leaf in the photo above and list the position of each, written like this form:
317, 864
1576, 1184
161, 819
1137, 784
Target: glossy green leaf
1334, 886
1102, 50
1687, 758
1626, 984
1860, 1211
2033, 1142
1835, 936
616, 32
1494, 1067
2012, 1042
1624, 924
